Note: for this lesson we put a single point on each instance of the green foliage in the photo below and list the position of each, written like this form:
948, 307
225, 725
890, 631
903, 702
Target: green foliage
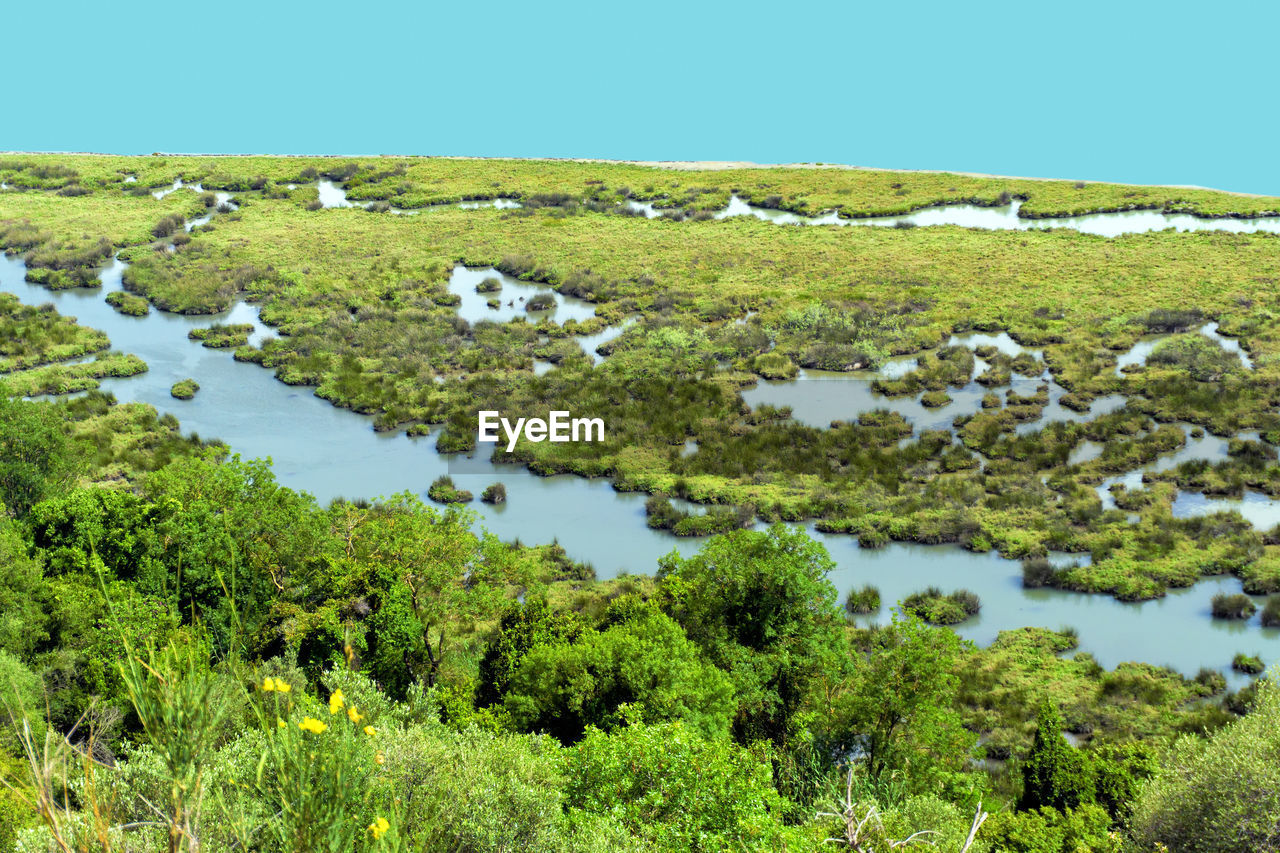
127, 303
1218, 794
24, 595
468, 790
443, 491
898, 711
863, 601
222, 336
184, 389
1248, 664
640, 669
677, 790
938, 609
1054, 774
1202, 359
761, 608
34, 460
1048, 830
522, 628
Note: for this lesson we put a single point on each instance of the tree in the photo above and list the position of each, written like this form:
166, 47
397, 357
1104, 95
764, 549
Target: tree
417, 578
678, 790
1055, 774
898, 709
643, 669
24, 595
1221, 794
228, 530
760, 605
34, 460
523, 627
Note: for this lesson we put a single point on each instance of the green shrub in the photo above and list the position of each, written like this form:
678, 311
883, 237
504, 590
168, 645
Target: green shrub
127, 303
184, 389
863, 601
643, 668
495, 493
1248, 664
1271, 612
1055, 774
443, 491
1238, 606
1220, 794
676, 790
934, 607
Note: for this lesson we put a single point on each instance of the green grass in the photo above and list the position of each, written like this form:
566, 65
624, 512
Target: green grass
127, 303
32, 336
70, 378
184, 389
417, 181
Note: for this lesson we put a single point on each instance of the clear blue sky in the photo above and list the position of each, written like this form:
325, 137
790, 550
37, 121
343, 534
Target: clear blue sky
1143, 92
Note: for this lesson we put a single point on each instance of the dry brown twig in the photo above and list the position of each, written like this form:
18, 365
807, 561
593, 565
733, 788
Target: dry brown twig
855, 826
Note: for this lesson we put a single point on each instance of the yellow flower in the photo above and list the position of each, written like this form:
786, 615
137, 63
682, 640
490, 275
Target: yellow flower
283, 686
268, 685
379, 757
379, 828
335, 702
370, 731
311, 724
353, 715
279, 723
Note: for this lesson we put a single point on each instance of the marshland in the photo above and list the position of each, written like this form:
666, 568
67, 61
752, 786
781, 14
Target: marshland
1021, 439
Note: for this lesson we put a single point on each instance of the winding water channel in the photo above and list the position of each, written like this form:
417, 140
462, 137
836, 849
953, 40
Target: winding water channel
331, 452
994, 218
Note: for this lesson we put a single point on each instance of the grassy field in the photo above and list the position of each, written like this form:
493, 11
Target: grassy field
418, 181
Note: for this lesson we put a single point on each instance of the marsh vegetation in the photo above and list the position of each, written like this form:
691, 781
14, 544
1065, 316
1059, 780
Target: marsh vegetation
967, 407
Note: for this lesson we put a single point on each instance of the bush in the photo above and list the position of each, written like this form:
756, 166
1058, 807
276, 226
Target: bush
445, 492
127, 303
1169, 320
494, 494
1054, 773
1200, 357
540, 302
1219, 795
1038, 572
1271, 612
863, 601
489, 285
642, 668
934, 399
166, 226
677, 790
184, 389
938, 609
1248, 664
1212, 680
1238, 606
